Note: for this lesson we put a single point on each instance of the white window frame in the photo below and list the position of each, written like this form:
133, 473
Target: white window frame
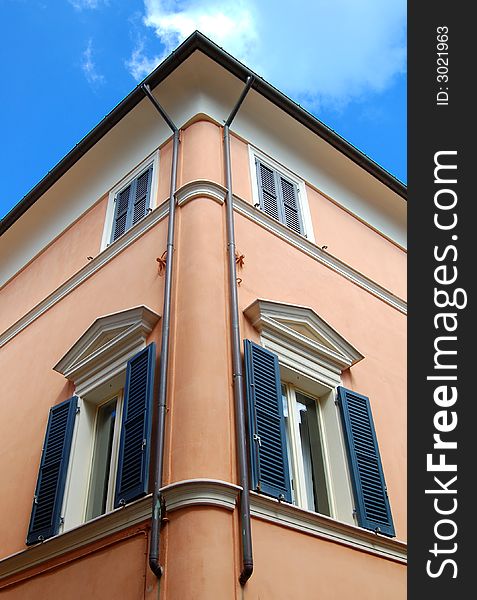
312, 356
78, 479
303, 205
113, 465
98, 371
152, 159
297, 471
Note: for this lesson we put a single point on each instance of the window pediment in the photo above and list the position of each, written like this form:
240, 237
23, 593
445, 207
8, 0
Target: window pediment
106, 345
304, 341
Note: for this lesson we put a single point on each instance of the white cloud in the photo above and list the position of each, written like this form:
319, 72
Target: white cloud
140, 65
89, 66
325, 51
82, 4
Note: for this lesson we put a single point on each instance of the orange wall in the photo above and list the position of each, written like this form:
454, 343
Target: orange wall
52, 267
66, 255
117, 571
300, 566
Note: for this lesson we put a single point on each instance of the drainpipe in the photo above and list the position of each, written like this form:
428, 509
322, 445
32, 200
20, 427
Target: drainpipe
247, 556
157, 498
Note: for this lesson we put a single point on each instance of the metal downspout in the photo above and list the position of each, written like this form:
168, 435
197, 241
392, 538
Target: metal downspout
247, 555
157, 500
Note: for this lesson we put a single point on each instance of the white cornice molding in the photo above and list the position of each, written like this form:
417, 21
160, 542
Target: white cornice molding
192, 492
204, 492
208, 189
200, 188
300, 242
292, 517
106, 340
278, 320
103, 350
180, 494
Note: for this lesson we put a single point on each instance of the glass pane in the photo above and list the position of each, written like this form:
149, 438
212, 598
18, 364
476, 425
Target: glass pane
287, 434
315, 482
98, 493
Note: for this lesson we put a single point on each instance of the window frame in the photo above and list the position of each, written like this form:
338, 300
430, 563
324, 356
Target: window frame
78, 478
98, 374
312, 356
151, 160
295, 450
113, 461
302, 199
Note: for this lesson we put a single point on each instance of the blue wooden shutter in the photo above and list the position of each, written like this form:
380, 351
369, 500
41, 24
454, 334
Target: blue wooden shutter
121, 211
289, 204
134, 446
268, 447
372, 503
279, 197
132, 203
142, 190
50, 487
268, 191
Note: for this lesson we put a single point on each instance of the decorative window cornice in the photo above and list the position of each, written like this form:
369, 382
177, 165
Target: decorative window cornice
104, 348
303, 341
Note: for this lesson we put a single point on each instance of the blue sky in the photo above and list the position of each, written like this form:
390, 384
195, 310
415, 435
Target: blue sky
67, 63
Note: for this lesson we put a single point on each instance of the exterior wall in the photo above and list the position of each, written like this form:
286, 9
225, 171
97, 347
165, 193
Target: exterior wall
289, 566
201, 542
94, 575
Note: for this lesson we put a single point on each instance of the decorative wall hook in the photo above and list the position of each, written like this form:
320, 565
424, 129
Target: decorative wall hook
239, 259
162, 263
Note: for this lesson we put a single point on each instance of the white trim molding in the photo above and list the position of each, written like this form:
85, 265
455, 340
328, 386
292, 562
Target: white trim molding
99, 261
205, 189
204, 492
200, 188
302, 339
193, 492
87, 533
105, 347
285, 233
292, 517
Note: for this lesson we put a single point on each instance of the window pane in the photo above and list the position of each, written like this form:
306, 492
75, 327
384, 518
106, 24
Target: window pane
98, 494
287, 434
311, 449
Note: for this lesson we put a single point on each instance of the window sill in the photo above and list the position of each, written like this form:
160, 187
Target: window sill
299, 519
87, 533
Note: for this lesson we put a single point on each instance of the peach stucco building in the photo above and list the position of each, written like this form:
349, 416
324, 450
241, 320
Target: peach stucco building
123, 462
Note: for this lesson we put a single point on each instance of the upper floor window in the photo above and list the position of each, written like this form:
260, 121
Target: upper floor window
131, 199
131, 203
280, 194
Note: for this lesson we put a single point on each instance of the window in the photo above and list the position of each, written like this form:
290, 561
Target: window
106, 437
131, 199
306, 458
131, 203
312, 442
96, 451
280, 194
